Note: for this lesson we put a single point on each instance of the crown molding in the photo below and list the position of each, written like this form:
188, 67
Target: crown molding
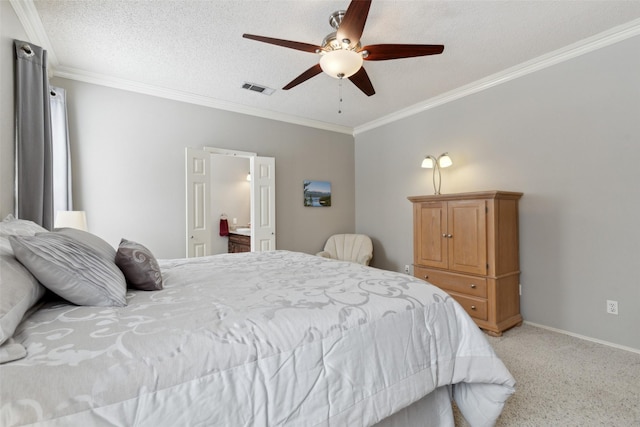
30, 20
191, 98
606, 38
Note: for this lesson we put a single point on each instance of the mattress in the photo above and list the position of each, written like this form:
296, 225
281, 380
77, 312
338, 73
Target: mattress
254, 339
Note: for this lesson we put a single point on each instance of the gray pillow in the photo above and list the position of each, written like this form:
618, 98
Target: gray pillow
103, 248
139, 266
10, 226
71, 269
19, 291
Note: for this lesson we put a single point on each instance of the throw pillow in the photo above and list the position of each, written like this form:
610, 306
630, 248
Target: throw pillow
11, 226
103, 248
139, 266
71, 269
19, 291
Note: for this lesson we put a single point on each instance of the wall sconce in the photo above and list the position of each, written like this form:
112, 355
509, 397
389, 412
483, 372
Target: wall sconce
71, 219
430, 162
249, 176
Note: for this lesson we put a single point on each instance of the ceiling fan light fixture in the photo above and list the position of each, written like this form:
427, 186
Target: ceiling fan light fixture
341, 63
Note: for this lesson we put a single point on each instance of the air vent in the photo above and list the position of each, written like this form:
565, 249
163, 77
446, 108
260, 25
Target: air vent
257, 88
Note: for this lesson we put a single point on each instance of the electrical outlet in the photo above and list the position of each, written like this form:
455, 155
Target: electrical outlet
612, 307
407, 269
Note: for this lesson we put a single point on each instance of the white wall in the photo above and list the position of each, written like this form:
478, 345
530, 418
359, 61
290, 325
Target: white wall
568, 137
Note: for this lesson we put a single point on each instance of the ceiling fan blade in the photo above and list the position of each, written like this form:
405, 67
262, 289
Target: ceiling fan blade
353, 21
381, 52
311, 72
361, 79
305, 47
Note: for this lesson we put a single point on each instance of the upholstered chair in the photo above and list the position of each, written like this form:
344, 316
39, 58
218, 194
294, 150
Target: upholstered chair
356, 248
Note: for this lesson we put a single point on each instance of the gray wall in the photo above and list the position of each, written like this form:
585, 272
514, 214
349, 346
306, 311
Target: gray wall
568, 137
128, 160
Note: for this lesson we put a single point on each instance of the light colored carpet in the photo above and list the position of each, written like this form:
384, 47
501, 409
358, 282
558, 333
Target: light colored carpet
566, 381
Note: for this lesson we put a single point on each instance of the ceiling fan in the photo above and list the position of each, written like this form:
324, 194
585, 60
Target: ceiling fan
341, 53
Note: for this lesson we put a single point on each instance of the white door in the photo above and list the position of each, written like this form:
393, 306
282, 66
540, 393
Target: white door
199, 226
263, 204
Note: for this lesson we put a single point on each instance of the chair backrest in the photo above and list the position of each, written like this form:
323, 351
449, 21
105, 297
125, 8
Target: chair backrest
350, 247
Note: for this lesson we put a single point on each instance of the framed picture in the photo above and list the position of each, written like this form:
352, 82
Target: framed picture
317, 193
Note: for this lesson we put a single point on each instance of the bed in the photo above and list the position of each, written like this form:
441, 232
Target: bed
249, 339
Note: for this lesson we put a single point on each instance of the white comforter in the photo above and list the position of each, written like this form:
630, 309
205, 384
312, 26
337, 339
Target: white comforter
254, 339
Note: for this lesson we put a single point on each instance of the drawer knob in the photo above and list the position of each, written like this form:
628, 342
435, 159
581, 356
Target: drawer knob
473, 307
473, 286
426, 276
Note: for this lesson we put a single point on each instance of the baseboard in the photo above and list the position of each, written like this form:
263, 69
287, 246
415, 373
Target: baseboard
582, 337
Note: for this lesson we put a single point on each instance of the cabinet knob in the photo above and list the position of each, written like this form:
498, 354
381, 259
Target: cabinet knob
473, 286
444, 235
449, 236
473, 307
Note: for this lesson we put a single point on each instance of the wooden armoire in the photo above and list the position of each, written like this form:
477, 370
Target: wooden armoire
467, 245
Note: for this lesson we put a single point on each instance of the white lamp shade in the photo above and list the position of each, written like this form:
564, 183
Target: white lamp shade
71, 219
341, 63
445, 161
428, 163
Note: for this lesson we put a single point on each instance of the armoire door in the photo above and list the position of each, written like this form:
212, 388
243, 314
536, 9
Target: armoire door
430, 242
467, 236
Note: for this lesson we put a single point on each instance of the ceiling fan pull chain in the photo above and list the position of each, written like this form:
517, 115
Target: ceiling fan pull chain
340, 77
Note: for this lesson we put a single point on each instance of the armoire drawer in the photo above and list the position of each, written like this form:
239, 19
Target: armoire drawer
459, 283
475, 307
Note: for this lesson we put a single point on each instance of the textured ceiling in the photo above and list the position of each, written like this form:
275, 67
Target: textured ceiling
195, 48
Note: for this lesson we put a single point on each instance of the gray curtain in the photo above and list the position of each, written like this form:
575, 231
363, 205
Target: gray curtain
34, 168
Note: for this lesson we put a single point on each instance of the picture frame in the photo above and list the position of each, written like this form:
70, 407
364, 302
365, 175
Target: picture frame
316, 193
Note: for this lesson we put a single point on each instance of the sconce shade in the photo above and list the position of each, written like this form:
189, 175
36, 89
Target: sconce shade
444, 161
341, 63
71, 219
249, 176
428, 162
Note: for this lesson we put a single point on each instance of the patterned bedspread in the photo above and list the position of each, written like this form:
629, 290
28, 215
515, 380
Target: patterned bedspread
253, 339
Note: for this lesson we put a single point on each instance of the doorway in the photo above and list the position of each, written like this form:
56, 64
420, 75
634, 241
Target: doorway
217, 187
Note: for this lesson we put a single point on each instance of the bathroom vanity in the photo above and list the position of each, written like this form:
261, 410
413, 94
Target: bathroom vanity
239, 241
